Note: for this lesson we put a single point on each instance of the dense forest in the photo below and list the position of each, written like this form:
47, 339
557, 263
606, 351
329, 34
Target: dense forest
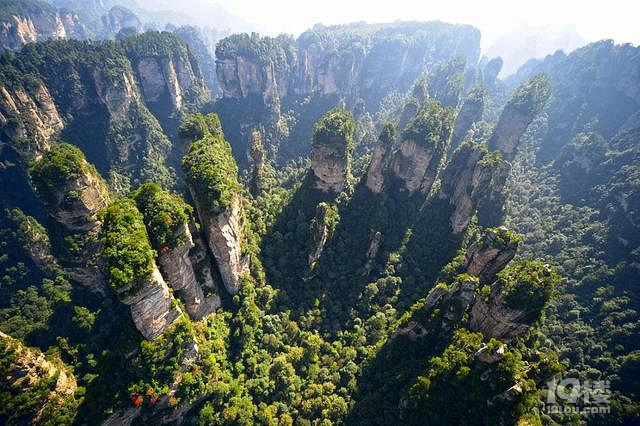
362, 225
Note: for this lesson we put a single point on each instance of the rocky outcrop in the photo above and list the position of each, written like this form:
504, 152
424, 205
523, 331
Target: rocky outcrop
379, 159
132, 271
528, 100
152, 307
321, 228
416, 160
35, 240
212, 177
331, 151
491, 70
24, 371
466, 179
119, 18
224, 236
372, 252
470, 113
200, 259
29, 118
29, 23
446, 81
178, 269
249, 65
167, 70
257, 159
514, 302
490, 253
72, 190
496, 319
356, 60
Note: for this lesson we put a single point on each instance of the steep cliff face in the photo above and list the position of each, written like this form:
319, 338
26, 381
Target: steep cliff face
92, 85
153, 309
202, 41
490, 253
119, 18
321, 228
212, 176
167, 71
470, 113
166, 217
29, 21
250, 65
25, 372
332, 147
514, 302
588, 93
132, 271
29, 117
528, 100
224, 235
467, 179
179, 270
361, 60
257, 161
380, 158
416, 161
72, 190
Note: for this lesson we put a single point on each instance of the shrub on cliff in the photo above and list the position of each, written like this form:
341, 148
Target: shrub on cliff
127, 251
209, 164
164, 213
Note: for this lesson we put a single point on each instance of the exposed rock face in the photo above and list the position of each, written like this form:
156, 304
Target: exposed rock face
330, 168
466, 179
491, 253
369, 62
496, 319
321, 228
29, 113
179, 272
491, 70
75, 199
23, 28
119, 18
492, 207
415, 165
80, 214
372, 252
528, 100
27, 368
224, 235
416, 161
168, 71
118, 98
332, 146
471, 112
152, 307
200, 260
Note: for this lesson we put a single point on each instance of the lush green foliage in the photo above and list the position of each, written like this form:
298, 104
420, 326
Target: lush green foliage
164, 214
432, 126
212, 170
335, 129
127, 250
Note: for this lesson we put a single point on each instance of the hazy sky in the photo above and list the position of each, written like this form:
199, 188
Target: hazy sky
592, 20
